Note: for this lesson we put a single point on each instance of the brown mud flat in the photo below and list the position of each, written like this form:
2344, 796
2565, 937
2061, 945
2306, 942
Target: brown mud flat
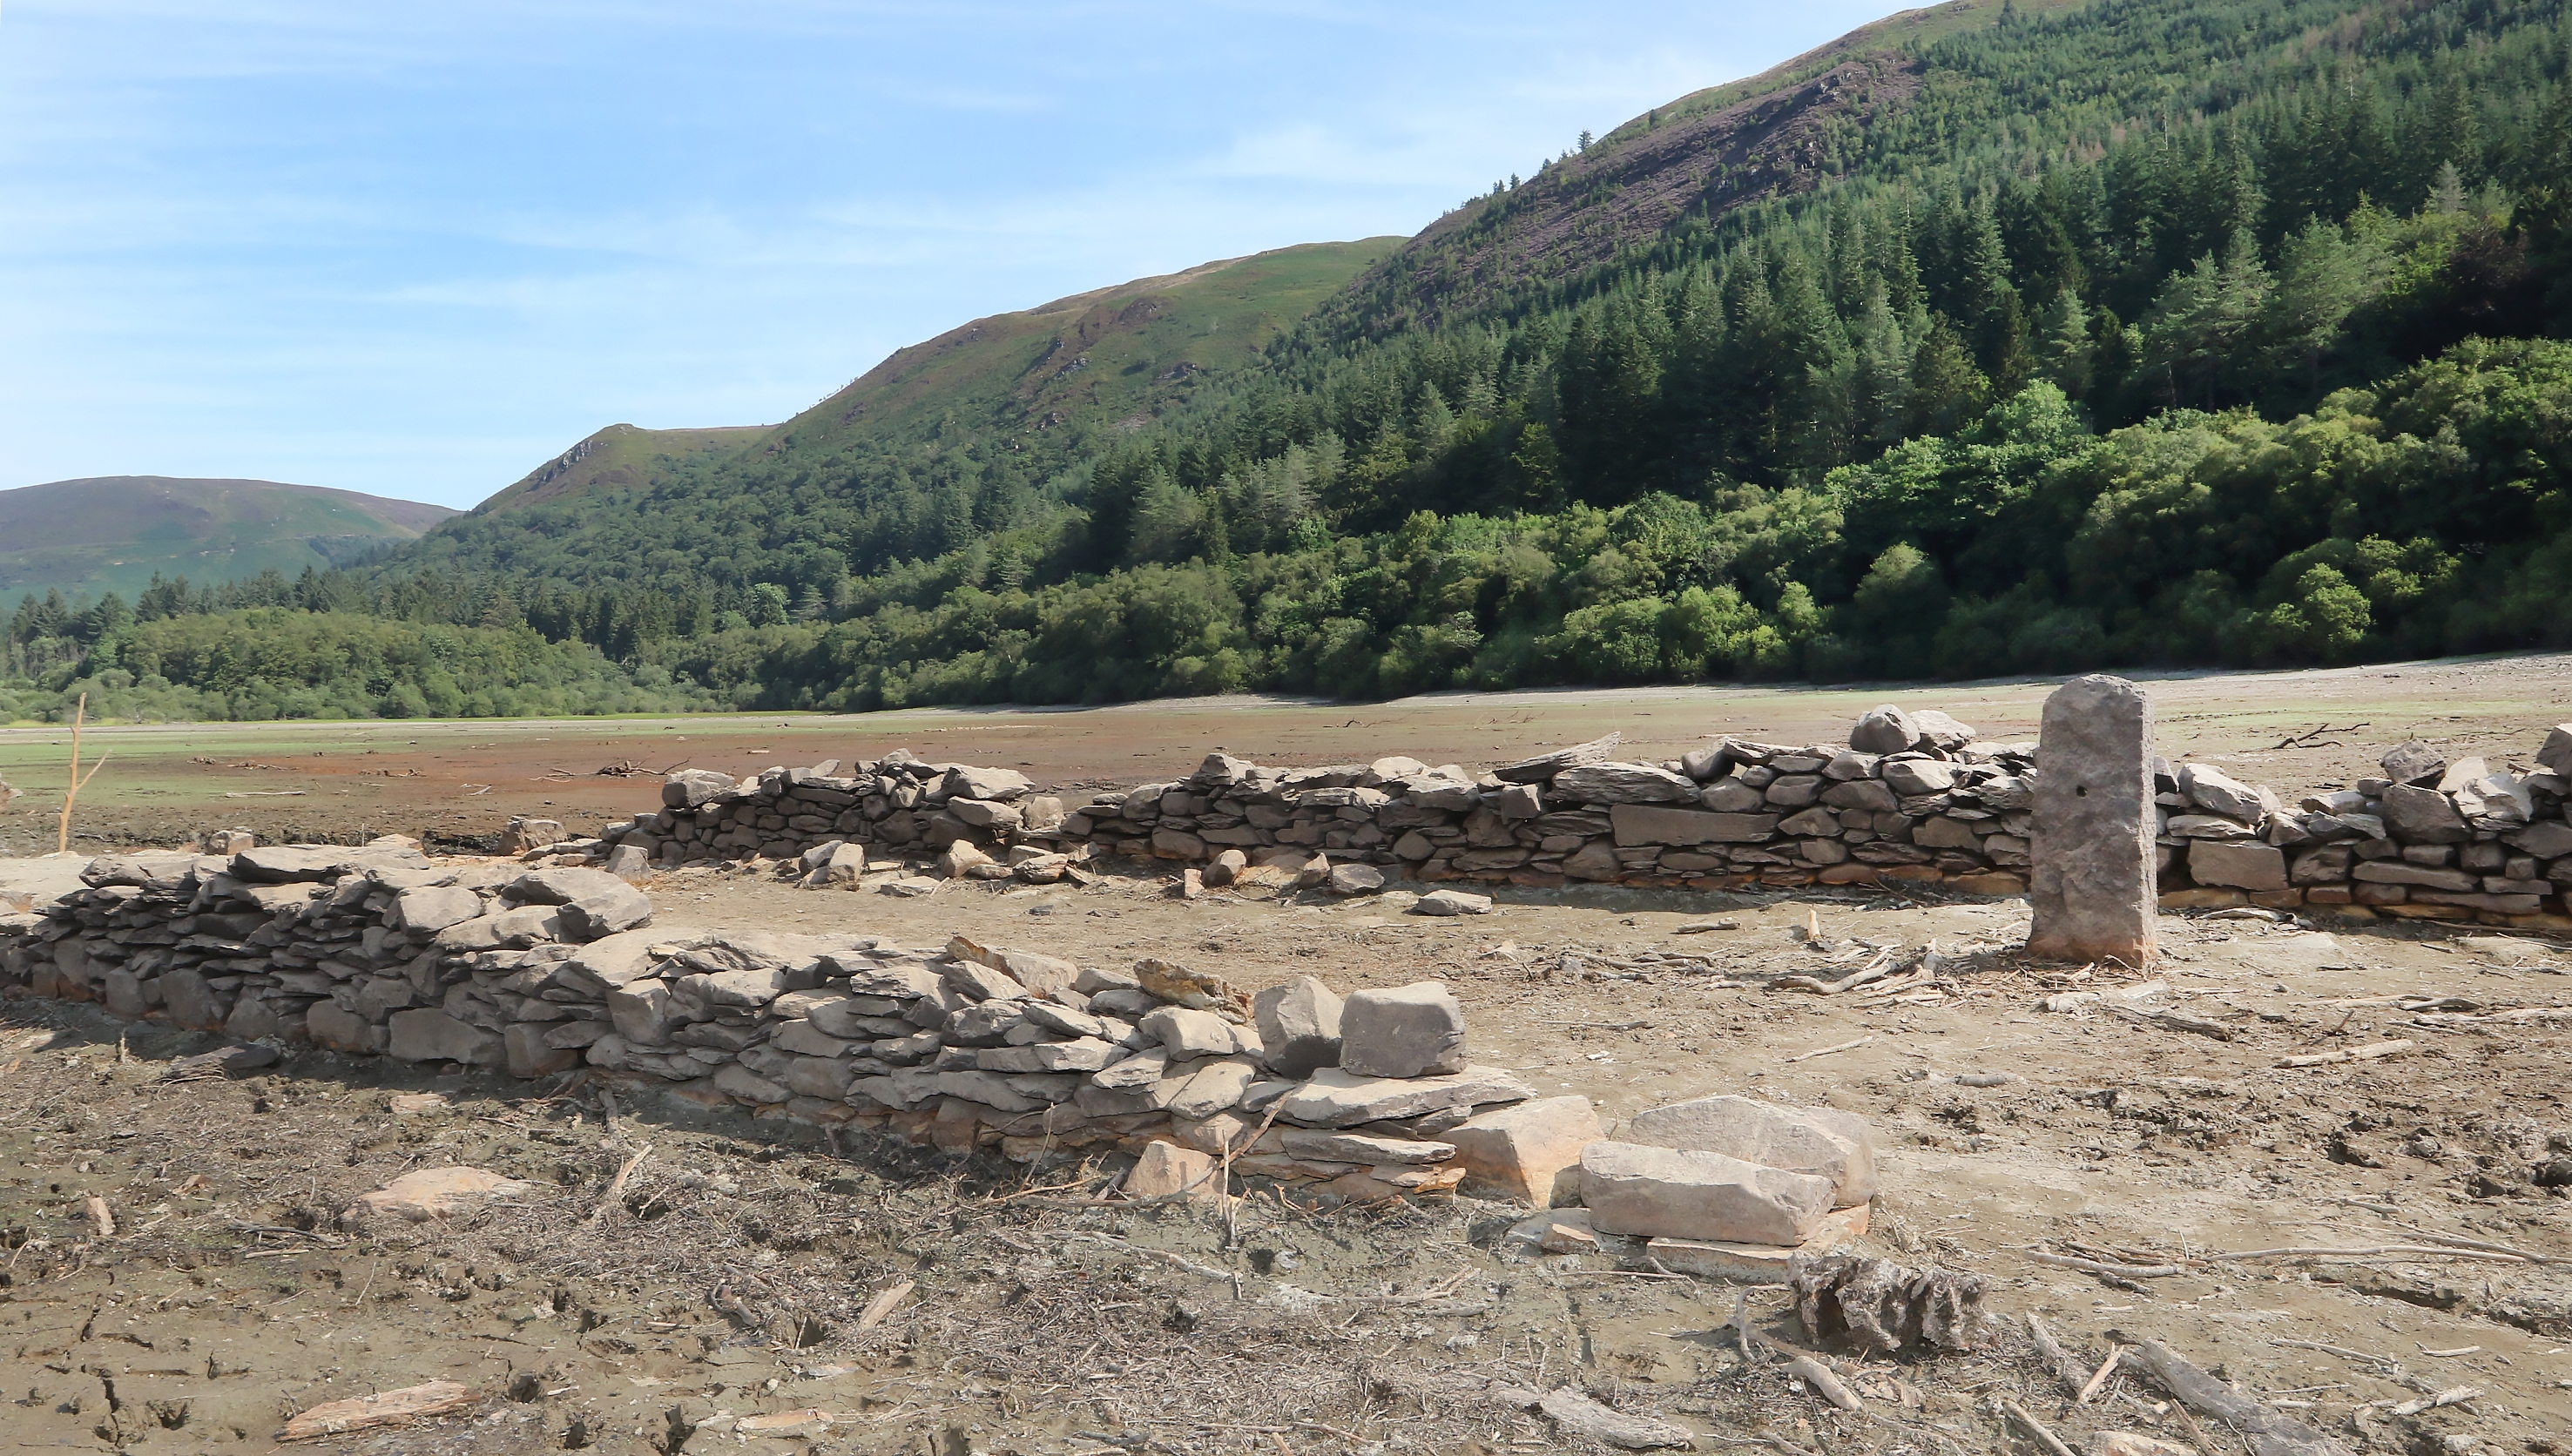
457, 783
718, 1303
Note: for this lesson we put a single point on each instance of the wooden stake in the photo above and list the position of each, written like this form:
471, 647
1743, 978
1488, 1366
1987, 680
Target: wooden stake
63, 827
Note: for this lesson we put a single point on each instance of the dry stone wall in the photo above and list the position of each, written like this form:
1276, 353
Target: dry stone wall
1909, 796
491, 964
2430, 839
1907, 799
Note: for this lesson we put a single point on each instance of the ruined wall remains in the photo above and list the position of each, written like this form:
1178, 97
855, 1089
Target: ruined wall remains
490, 964
1907, 798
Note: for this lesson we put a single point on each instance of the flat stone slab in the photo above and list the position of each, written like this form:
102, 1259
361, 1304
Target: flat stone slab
1640, 824
1322, 1147
1338, 1098
1819, 1140
40, 880
1646, 1191
1758, 1263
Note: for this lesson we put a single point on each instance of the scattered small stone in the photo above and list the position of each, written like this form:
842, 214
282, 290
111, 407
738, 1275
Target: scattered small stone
1452, 902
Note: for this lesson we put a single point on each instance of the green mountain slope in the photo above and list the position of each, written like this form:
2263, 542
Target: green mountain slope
620, 457
113, 533
1110, 360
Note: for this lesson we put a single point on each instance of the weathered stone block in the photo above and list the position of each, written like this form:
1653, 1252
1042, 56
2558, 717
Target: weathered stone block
1299, 1026
1817, 1141
1666, 1192
1167, 1170
2239, 866
426, 1034
1643, 824
1614, 783
526, 1053
1522, 1150
1410, 1031
2091, 888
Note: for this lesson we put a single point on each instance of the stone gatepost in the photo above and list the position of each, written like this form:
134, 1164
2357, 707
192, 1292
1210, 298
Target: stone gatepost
2091, 887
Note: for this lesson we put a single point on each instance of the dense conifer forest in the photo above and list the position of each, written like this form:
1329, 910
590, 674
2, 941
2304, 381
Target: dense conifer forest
2140, 332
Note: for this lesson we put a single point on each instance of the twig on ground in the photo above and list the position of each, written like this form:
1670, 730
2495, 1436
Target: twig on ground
2352, 1054
1826, 1051
615, 1195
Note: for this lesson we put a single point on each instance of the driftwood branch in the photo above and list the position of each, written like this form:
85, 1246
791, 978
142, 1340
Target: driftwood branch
2051, 1354
2270, 1431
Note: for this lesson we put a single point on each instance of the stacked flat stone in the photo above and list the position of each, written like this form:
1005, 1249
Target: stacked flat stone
1929, 804
488, 963
899, 803
373, 949
2431, 839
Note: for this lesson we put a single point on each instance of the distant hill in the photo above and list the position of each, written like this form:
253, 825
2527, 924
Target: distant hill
1108, 361
111, 533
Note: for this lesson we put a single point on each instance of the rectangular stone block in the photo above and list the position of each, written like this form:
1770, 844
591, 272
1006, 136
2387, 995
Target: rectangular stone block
1643, 824
2091, 886
1650, 1193
1523, 1150
1758, 1263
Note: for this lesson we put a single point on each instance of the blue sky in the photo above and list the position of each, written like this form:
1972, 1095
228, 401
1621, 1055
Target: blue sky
417, 249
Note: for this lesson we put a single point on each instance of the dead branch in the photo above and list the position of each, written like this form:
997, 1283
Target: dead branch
2269, 1432
2308, 738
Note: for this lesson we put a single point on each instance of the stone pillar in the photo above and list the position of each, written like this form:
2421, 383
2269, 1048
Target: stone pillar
2092, 888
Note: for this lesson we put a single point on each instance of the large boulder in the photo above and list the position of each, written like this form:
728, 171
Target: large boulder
1886, 729
431, 909
967, 781
2414, 763
1184, 1033
1653, 1192
2423, 816
1817, 1141
608, 912
334, 1029
563, 886
689, 787
2236, 867
2218, 792
1909, 776
2554, 755
1409, 1031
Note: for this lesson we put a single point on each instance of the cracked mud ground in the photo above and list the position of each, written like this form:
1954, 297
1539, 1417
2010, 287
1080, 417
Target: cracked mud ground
719, 1303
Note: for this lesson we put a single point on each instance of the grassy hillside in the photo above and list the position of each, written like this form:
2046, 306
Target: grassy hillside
620, 457
1046, 380
112, 533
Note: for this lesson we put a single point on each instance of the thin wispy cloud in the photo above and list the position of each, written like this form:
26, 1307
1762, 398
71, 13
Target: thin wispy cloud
417, 249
